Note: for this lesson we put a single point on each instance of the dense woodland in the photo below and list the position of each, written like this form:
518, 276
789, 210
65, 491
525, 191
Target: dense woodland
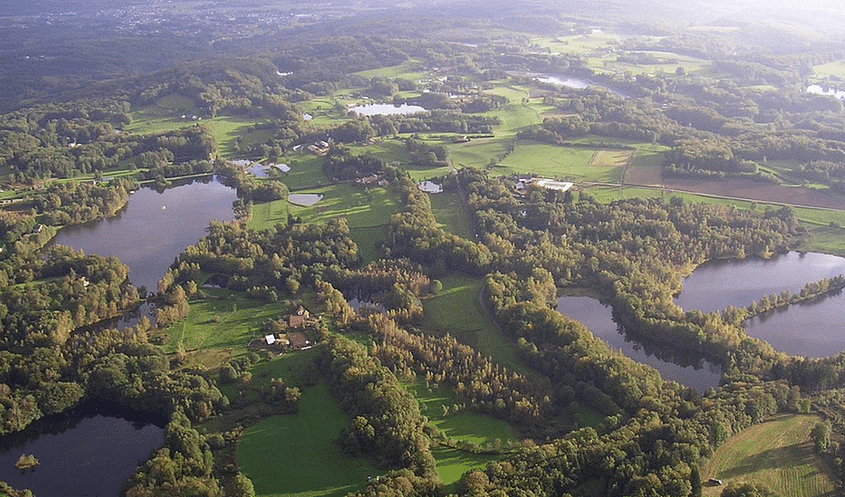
60, 141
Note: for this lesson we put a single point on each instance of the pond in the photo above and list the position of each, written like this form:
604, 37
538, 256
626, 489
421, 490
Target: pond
386, 109
810, 329
305, 199
598, 318
154, 227
575, 83
88, 451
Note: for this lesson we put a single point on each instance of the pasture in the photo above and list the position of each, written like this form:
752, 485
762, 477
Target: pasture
295, 455
564, 163
410, 70
461, 425
832, 70
778, 453
450, 214
224, 320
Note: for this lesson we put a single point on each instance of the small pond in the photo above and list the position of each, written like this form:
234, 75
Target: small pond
304, 199
154, 227
87, 451
598, 318
386, 109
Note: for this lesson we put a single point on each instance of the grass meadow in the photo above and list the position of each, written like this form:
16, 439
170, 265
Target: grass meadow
565, 163
778, 453
224, 320
450, 214
479, 429
296, 456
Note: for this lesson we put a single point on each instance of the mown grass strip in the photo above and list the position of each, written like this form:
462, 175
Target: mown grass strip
778, 453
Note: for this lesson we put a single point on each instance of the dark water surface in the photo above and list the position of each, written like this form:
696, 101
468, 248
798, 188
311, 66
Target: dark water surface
715, 285
598, 318
154, 228
88, 451
811, 329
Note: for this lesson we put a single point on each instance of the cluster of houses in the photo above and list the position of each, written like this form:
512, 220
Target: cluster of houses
372, 180
294, 339
319, 148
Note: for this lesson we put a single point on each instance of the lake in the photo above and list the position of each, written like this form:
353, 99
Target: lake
717, 284
154, 227
810, 329
386, 109
598, 318
87, 451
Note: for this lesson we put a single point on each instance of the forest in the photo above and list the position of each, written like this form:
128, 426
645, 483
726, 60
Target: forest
354, 301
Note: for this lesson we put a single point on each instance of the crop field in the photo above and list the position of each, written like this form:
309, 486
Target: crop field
778, 453
611, 158
457, 311
295, 455
646, 166
450, 214
761, 192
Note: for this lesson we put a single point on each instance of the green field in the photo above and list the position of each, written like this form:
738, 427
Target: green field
362, 208
478, 153
832, 70
457, 311
552, 161
480, 429
778, 453
451, 215
409, 70
453, 463
296, 455
369, 239
225, 320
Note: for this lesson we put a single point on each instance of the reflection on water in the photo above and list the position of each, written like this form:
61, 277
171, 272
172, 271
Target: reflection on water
598, 318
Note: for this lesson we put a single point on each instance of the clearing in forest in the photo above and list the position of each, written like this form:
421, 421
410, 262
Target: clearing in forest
296, 455
778, 453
